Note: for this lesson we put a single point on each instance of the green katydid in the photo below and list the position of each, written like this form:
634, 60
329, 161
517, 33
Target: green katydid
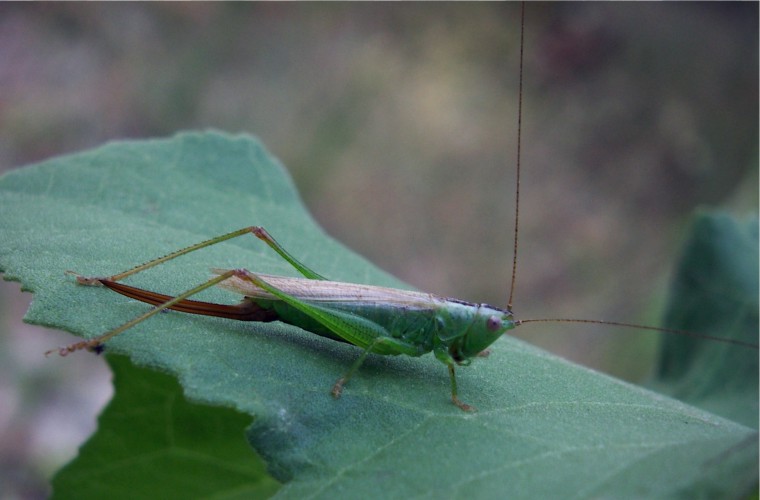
378, 320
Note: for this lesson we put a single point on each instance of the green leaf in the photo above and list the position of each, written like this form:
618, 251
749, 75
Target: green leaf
715, 292
545, 427
178, 450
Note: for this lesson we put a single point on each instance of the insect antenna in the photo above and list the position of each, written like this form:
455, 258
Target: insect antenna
519, 141
516, 238
672, 331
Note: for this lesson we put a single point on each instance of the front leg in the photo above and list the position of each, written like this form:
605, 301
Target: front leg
442, 354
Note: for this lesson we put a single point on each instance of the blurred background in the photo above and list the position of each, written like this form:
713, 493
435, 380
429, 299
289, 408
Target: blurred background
398, 123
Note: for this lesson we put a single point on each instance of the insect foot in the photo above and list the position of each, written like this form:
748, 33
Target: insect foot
337, 389
92, 345
463, 406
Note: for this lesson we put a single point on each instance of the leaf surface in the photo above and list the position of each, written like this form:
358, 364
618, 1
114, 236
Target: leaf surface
545, 427
152, 443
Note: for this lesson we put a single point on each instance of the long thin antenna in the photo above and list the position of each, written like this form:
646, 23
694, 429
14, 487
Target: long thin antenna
519, 142
517, 223
640, 327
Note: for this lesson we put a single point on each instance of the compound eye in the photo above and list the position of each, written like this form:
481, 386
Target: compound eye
493, 323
